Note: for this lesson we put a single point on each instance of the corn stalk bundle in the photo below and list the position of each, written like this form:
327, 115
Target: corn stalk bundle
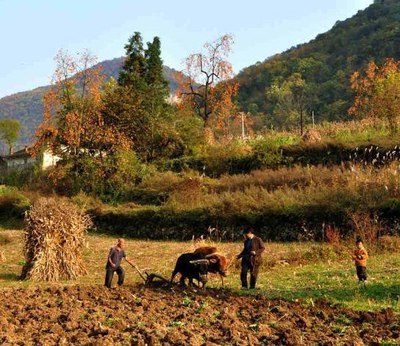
2, 257
54, 239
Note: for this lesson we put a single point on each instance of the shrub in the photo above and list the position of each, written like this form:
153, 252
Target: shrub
110, 178
13, 203
332, 235
368, 227
19, 177
389, 243
267, 151
86, 202
227, 157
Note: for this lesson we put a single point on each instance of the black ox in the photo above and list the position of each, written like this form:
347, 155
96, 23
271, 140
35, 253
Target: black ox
192, 266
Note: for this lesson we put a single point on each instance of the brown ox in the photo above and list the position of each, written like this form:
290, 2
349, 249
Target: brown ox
206, 250
218, 263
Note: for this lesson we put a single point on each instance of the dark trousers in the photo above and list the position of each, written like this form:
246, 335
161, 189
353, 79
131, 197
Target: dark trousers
248, 267
361, 273
110, 273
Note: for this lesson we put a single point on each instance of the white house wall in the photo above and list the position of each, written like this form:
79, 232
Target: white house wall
49, 160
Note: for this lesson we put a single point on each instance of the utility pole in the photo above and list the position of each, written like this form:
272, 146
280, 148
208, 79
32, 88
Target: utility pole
312, 116
243, 134
301, 121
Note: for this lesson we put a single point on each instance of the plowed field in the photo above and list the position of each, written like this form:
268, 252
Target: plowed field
137, 315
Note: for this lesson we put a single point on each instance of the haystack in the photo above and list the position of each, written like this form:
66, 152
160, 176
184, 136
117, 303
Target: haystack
54, 238
311, 136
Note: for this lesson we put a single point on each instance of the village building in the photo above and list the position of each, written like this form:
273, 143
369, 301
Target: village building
22, 159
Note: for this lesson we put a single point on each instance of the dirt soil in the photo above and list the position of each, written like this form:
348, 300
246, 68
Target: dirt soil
137, 315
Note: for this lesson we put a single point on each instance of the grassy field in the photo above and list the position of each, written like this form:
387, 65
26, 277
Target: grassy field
293, 271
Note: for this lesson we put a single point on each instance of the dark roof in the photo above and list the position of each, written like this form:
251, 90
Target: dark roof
18, 154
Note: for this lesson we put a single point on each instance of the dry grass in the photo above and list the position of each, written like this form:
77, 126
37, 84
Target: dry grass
54, 238
276, 190
295, 185
345, 132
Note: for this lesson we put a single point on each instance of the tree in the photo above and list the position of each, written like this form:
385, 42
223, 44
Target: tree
378, 92
73, 111
203, 88
9, 132
154, 75
133, 70
292, 100
137, 105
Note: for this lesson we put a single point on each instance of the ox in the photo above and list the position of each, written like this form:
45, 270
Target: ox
218, 263
191, 266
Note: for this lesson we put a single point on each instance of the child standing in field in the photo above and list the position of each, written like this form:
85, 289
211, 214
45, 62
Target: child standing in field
360, 257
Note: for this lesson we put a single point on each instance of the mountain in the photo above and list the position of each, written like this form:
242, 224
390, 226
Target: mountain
326, 63
27, 106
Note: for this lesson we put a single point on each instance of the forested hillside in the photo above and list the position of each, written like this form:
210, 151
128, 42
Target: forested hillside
27, 106
321, 69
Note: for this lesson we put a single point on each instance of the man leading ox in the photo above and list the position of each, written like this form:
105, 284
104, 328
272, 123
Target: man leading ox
251, 257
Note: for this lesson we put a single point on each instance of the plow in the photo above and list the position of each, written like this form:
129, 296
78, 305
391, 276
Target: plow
149, 278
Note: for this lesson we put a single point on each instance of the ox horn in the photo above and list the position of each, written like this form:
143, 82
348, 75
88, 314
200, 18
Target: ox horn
199, 261
213, 254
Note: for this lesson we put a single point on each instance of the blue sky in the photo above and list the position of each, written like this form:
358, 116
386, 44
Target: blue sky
32, 31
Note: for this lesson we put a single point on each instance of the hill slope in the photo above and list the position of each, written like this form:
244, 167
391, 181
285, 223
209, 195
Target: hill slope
327, 62
27, 106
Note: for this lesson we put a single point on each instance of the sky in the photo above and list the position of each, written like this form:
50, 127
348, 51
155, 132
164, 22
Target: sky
32, 31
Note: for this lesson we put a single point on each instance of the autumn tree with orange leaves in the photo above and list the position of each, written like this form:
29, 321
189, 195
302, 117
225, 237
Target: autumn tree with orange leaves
208, 88
73, 110
96, 156
378, 92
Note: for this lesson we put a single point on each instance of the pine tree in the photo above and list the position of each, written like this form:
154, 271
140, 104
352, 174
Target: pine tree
138, 105
134, 68
156, 104
154, 74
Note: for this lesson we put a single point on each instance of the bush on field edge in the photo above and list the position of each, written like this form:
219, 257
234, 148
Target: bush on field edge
13, 203
302, 223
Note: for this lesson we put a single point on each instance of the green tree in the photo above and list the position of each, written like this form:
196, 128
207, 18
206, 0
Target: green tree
292, 101
9, 132
137, 104
154, 70
134, 68
125, 105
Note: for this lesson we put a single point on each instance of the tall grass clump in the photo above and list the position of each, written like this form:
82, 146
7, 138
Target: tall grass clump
53, 240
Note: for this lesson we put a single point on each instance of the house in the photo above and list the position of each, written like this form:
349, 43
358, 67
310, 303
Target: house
22, 159
3, 164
